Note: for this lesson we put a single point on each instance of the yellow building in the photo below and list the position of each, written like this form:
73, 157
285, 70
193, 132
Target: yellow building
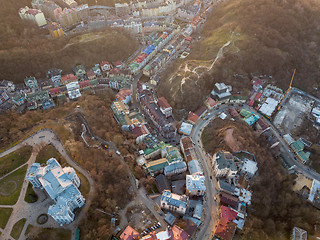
33, 15
68, 17
55, 30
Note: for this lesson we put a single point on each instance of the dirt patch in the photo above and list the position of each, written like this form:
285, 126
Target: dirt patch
231, 141
8, 188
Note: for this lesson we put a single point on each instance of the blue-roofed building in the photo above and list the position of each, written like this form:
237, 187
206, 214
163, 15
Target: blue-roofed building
62, 185
175, 168
195, 167
47, 103
174, 202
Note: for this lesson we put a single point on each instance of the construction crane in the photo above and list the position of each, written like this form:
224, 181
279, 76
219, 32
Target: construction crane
287, 90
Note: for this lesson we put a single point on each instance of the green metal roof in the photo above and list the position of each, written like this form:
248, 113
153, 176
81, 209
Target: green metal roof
304, 155
297, 146
157, 165
245, 113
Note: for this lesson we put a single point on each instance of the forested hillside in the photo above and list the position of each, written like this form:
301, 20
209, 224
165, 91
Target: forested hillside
275, 208
26, 49
270, 37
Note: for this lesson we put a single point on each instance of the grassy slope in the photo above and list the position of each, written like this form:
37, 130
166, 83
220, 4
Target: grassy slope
17, 228
271, 37
18, 177
15, 159
4, 216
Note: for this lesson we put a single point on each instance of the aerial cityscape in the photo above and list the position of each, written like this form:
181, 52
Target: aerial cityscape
160, 119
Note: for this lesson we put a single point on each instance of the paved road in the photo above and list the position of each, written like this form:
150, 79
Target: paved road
211, 206
285, 148
31, 211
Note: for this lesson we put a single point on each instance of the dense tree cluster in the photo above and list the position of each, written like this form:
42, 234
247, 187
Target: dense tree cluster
275, 208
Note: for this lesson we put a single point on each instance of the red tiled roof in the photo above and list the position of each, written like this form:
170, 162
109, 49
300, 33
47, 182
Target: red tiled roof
233, 112
68, 77
251, 102
104, 63
211, 102
129, 234
258, 96
200, 111
54, 91
228, 214
84, 84
179, 233
225, 230
90, 73
162, 102
114, 71
122, 94
192, 117
117, 63
262, 124
186, 143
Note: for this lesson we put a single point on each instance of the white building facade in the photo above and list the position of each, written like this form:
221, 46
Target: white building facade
62, 185
174, 202
34, 15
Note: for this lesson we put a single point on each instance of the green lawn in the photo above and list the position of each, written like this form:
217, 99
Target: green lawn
48, 152
11, 185
4, 216
31, 196
14, 160
17, 228
48, 233
84, 186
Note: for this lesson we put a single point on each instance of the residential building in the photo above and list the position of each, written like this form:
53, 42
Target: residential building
105, 66
96, 69
79, 71
225, 186
179, 234
175, 168
68, 78
68, 3
163, 235
299, 234
195, 185
195, 167
224, 165
169, 218
68, 17
228, 200
210, 103
73, 89
51, 10
162, 183
171, 153
174, 202
45, 84
226, 227
129, 234
55, 75
164, 106
31, 82
122, 9
55, 30
185, 128
3, 96
90, 75
156, 166
192, 118
34, 15
314, 196
124, 95
61, 184
221, 92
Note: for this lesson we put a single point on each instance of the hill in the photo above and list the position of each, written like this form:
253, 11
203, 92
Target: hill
275, 208
26, 50
266, 37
